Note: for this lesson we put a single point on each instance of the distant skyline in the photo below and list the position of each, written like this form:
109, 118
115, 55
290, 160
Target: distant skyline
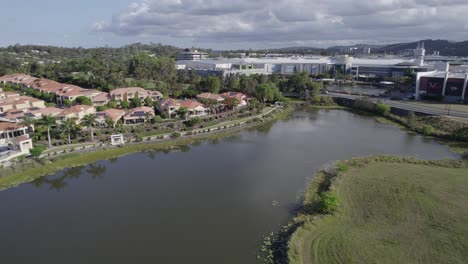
225, 24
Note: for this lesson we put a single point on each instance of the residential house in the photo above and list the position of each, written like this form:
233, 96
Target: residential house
76, 111
154, 95
114, 114
170, 107
20, 102
72, 92
240, 97
194, 107
14, 115
10, 131
101, 99
6, 95
37, 113
138, 115
127, 94
61, 91
203, 97
17, 78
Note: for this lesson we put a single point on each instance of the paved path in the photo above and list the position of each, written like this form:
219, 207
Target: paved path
406, 106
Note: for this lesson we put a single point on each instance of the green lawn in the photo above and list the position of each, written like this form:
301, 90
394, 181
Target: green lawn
391, 213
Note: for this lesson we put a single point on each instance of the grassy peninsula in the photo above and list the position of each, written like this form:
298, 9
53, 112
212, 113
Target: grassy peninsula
387, 210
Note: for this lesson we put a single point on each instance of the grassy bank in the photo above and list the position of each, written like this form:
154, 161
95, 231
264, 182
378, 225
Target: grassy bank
390, 210
24, 174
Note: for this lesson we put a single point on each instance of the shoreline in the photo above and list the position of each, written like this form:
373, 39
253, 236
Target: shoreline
47, 167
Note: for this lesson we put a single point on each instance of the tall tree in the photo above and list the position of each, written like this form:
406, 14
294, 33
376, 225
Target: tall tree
48, 121
89, 121
69, 127
28, 122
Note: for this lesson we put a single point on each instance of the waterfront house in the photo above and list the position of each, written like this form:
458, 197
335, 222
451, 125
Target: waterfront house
114, 114
240, 97
10, 131
194, 107
138, 115
170, 107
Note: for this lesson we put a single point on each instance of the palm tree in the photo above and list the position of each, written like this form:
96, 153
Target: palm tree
28, 122
148, 117
69, 126
109, 122
89, 121
48, 121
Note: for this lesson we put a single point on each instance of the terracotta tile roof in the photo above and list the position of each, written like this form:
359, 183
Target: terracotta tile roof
14, 113
78, 91
18, 100
169, 102
9, 94
4, 126
17, 78
53, 111
190, 104
127, 90
101, 97
210, 96
74, 110
153, 93
139, 112
115, 114
236, 95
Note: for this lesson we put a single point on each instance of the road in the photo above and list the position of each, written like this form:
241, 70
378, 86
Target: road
406, 106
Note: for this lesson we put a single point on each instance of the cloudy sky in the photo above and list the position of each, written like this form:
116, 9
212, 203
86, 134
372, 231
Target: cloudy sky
228, 24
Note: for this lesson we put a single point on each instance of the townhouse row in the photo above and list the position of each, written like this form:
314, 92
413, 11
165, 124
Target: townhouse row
63, 92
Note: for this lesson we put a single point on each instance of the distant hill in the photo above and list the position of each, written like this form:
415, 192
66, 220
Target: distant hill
445, 47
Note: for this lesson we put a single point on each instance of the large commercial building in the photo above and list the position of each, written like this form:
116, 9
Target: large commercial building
449, 82
190, 55
372, 67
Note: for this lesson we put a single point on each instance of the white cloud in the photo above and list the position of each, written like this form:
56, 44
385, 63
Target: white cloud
222, 23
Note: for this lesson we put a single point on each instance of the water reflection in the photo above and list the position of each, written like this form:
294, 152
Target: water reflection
60, 180
214, 198
96, 170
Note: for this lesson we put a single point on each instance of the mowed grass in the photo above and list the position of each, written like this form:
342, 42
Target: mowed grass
393, 213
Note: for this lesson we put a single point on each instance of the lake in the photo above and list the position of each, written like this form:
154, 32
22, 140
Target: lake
212, 203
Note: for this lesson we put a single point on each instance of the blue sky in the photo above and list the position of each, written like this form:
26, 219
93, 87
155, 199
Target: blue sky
222, 24
60, 22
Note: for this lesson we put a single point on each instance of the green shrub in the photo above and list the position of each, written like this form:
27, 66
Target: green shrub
382, 109
37, 150
342, 167
461, 134
175, 135
427, 130
327, 202
326, 101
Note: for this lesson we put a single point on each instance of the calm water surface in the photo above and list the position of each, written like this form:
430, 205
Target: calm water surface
211, 204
